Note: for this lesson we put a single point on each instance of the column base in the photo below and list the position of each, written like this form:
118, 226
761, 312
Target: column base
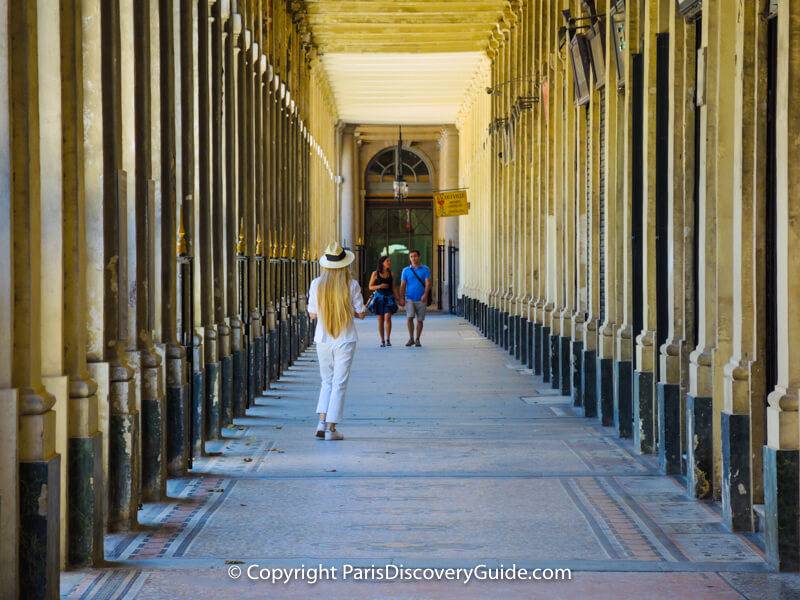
669, 428
226, 390
604, 383
274, 353
537, 349
251, 374
554, 356
643, 416
284, 331
522, 342
154, 431
565, 365
39, 545
123, 472
781, 514
239, 384
198, 414
545, 354
511, 333
212, 401
589, 382
700, 450
177, 430
737, 493
505, 330
623, 402
576, 368
85, 493
529, 344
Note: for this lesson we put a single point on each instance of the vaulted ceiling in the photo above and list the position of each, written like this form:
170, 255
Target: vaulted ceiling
401, 61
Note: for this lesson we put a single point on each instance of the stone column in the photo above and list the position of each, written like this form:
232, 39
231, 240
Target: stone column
123, 469
153, 412
85, 489
54, 377
680, 197
631, 177
700, 423
741, 427
177, 410
206, 248
348, 188
224, 277
782, 452
653, 195
39, 465
448, 180
233, 192
9, 452
567, 142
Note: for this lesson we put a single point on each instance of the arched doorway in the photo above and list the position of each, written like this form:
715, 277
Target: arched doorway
394, 228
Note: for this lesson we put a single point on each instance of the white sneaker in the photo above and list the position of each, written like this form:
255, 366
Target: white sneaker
332, 436
320, 429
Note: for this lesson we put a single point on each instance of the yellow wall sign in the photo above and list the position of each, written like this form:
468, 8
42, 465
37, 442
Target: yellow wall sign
451, 204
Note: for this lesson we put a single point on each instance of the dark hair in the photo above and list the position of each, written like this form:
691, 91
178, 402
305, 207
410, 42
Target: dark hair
381, 260
414, 252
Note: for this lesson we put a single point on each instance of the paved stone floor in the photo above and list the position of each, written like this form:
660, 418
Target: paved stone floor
454, 456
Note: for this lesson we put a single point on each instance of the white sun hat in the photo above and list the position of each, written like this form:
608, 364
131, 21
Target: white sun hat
336, 257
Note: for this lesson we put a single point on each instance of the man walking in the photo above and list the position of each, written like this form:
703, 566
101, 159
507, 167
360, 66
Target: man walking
415, 289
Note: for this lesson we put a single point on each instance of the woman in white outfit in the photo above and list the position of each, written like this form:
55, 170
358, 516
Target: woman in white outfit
334, 298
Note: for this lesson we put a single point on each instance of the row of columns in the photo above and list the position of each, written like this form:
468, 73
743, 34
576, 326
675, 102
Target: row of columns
167, 178
636, 225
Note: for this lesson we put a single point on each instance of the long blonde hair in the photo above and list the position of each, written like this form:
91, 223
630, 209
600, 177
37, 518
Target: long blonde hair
333, 298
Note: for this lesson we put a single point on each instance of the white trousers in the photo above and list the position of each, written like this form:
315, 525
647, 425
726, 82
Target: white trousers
334, 370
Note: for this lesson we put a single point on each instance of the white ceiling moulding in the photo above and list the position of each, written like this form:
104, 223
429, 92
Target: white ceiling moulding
408, 88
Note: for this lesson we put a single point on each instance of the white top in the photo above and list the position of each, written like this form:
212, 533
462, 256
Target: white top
321, 336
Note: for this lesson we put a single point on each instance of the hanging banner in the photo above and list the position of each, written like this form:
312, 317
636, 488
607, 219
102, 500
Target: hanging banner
451, 204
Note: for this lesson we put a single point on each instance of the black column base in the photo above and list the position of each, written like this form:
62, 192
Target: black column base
198, 414
589, 382
529, 344
547, 362
781, 514
251, 373
511, 333
737, 493
604, 382
85, 506
212, 401
700, 449
239, 383
123, 471
505, 329
623, 402
565, 365
522, 346
555, 361
274, 354
39, 512
285, 335
226, 392
154, 473
669, 428
537, 349
258, 366
576, 368
177, 430
643, 412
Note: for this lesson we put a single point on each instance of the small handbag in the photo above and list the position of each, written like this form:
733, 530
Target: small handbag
371, 302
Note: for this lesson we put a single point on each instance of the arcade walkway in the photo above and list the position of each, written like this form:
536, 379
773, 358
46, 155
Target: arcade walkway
454, 456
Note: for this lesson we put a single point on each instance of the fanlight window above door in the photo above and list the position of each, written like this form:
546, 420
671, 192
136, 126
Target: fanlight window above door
381, 168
